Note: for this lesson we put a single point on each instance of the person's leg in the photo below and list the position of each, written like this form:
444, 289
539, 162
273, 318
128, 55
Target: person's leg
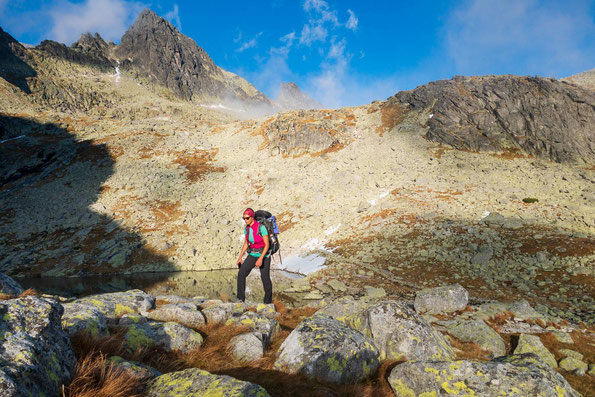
265, 276
244, 271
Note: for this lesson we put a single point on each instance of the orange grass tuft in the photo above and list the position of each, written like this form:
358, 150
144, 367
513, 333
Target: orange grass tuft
95, 377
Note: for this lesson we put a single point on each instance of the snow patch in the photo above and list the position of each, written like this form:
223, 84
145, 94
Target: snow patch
117, 75
332, 229
432, 115
485, 214
306, 265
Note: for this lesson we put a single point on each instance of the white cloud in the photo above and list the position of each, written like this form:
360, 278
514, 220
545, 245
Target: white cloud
174, 17
321, 18
520, 36
314, 33
250, 43
110, 18
352, 21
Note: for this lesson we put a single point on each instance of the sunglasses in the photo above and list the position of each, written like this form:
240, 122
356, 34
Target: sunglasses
244, 218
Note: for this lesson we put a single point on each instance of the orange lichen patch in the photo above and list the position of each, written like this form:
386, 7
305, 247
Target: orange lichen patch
166, 211
146, 153
284, 221
335, 147
197, 163
510, 154
391, 115
437, 152
216, 130
123, 208
385, 213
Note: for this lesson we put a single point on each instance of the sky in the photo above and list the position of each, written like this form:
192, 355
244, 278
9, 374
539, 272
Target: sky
347, 52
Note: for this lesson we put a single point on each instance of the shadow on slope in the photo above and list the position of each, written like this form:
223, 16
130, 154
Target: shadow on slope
12, 68
51, 224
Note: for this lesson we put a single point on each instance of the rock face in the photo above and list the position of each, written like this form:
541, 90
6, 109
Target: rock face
447, 299
155, 47
541, 116
13, 65
8, 286
532, 344
292, 98
478, 332
82, 317
36, 357
325, 348
510, 375
115, 305
196, 382
186, 314
80, 52
584, 79
172, 337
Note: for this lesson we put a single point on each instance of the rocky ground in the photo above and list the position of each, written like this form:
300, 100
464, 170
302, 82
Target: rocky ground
139, 344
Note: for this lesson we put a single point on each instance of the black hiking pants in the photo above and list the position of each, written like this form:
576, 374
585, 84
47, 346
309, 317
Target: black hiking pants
265, 276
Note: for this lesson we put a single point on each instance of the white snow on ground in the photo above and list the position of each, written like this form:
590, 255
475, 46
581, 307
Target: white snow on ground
485, 214
117, 75
332, 229
306, 265
432, 115
221, 106
382, 195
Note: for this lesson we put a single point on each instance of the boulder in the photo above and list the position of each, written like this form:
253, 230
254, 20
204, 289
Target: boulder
477, 331
573, 364
220, 313
161, 300
80, 317
186, 314
521, 310
114, 305
196, 382
446, 299
518, 375
8, 286
248, 347
348, 310
563, 337
532, 344
400, 333
267, 310
132, 318
172, 337
267, 326
134, 369
325, 348
36, 356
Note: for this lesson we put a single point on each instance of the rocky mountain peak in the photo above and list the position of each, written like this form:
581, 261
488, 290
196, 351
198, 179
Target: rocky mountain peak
292, 98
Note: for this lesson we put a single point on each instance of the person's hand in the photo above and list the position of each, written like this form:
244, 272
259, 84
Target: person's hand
258, 262
239, 263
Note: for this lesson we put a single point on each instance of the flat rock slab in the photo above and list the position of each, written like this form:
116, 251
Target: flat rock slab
196, 382
114, 305
172, 337
532, 344
186, 314
446, 299
322, 347
36, 357
80, 317
8, 286
161, 300
479, 332
516, 375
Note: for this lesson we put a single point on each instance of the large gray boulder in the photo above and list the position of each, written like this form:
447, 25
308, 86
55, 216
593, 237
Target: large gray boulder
196, 382
446, 299
8, 286
267, 326
516, 375
114, 305
248, 347
540, 116
172, 337
325, 348
134, 369
479, 332
186, 314
532, 344
80, 317
36, 357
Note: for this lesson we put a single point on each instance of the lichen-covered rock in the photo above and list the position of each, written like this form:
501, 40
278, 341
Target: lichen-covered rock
267, 310
478, 332
36, 357
570, 353
161, 300
134, 369
248, 347
325, 348
132, 318
571, 364
219, 314
517, 375
258, 323
172, 337
446, 299
521, 310
349, 311
563, 337
84, 318
532, 344
186, 314
400, 333
196, 382
114, 305
8, 286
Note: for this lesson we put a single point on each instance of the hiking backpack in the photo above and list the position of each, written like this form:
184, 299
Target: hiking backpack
270, 223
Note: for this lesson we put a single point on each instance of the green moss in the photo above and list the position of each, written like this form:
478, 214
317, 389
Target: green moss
401, 389
530, 200
334, 364
137, 338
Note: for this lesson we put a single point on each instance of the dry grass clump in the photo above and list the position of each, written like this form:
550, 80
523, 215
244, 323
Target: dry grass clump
27, 292
96, 377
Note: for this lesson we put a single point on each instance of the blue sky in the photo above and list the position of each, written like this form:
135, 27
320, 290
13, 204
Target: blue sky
344, 52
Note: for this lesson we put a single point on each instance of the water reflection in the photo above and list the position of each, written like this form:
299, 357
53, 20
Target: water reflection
211, 284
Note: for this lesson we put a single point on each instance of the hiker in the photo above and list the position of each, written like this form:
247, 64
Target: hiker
256, 244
